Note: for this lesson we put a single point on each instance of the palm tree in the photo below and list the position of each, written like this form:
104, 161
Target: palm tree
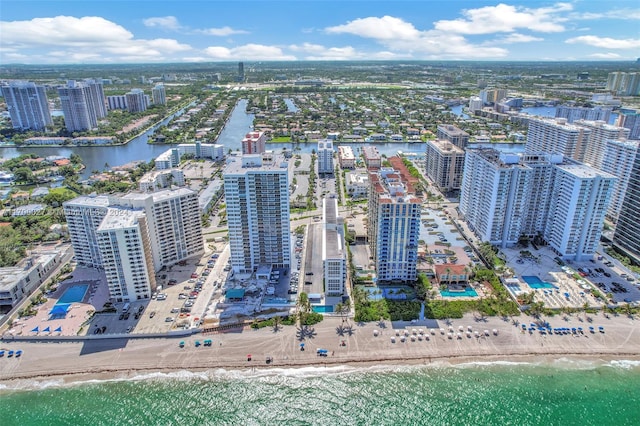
277, 320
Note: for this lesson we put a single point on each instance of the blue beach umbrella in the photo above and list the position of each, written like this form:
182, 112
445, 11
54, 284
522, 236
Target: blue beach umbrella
36, 329
46, 330
58, 330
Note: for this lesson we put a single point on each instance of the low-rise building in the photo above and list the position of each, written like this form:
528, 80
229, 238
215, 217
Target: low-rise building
346, 158
20, 281
372, 157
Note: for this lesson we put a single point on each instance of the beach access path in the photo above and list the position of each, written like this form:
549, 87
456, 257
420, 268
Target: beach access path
364, 344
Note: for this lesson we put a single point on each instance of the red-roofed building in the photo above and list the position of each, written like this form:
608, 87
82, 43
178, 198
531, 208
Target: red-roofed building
450, 273
62, 162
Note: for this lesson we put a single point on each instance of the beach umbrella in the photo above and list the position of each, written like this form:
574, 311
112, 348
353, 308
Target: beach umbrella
36, 329
58, 330
47, 330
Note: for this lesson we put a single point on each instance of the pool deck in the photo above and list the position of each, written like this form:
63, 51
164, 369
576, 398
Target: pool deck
97, 294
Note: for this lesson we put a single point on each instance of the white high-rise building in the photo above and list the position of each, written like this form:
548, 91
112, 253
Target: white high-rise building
136, 100
101, 227
325, 156
505, 196
394, 227
556, 136
175, 225
256, 190
618, 159
583, 113
27, 105
580, 200
159, 95
475, 104
601, 132
79, 106
84, 215
124, 244
334, 256
117, 102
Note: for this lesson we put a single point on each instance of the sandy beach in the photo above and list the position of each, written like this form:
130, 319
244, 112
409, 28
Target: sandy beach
122, 358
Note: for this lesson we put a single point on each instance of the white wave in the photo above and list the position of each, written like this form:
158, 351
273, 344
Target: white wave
32, 384
497, 363
626, 364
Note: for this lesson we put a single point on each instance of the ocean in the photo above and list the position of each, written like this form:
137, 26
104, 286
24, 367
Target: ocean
565, 392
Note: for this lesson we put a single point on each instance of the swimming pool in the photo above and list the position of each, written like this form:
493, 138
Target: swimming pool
322, 309
277, 301
535, 282
468, 292
73, 294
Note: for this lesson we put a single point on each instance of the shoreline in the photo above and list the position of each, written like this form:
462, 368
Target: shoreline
575, 361
126, 358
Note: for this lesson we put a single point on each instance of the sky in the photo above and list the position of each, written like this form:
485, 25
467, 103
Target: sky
160, 31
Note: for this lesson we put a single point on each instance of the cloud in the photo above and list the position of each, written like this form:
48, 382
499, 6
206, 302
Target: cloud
507, 18
609, 55
251, 51
606, 42
401, 37
316, 52
623, 14
70, 39
385, 28
221, 32
164, 22
517, 38
62, 30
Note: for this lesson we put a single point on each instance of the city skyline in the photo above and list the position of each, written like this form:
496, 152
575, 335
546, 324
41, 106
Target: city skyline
66, 32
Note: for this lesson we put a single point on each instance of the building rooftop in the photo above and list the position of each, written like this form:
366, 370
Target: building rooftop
584, 171
89, 201
119, 218
268, 161
445, 147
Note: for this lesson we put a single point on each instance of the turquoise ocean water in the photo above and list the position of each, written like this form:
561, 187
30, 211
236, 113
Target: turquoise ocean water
564, 393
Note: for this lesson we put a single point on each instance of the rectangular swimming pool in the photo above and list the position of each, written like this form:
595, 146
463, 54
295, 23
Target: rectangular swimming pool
535, 282
73, 294
322, 309
468, 292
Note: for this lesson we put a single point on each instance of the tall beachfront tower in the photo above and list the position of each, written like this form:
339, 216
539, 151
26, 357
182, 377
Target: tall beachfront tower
254, 143
334, 254
556, 136
175, 225
84, 215
618, 159
630, 119
505, 196
325, 156
167, 221
493, 195
27, 105
256, 190
394, 227
627, 235
123, 239
159, 94
581, 196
